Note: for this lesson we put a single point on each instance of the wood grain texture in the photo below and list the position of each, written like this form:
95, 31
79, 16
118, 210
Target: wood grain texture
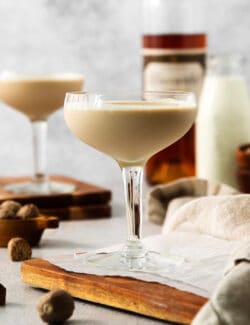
87, 201
80, 212
149, 299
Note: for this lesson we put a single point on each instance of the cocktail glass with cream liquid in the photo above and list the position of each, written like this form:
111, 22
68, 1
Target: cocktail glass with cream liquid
130, 131
38, 96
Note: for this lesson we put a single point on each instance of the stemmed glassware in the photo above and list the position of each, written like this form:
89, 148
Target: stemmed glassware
38, 96
130, 131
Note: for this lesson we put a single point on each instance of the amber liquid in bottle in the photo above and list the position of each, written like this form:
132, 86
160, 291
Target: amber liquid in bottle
173, 62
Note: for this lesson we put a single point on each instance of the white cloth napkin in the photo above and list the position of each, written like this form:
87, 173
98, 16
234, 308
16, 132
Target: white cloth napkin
161, 201
225, 217
229, 304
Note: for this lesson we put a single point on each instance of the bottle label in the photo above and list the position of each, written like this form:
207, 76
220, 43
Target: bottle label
176, 76
173, 70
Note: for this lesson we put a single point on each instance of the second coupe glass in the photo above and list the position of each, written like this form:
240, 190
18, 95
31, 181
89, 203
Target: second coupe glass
38, 96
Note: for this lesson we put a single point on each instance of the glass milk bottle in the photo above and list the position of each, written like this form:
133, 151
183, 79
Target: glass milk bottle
223, 120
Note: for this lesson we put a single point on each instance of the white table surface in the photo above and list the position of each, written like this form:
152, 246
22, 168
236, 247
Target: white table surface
89, 234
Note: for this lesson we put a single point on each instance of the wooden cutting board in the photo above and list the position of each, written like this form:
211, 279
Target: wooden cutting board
145, 298
87, 201
80, 212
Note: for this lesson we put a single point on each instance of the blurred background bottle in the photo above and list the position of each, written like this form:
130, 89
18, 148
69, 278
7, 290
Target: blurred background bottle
223, 120
174, 55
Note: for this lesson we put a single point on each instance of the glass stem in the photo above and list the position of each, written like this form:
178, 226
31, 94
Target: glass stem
132, 180
39, 136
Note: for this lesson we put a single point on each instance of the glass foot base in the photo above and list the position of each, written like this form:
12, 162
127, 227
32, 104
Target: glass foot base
150, 263
48, 187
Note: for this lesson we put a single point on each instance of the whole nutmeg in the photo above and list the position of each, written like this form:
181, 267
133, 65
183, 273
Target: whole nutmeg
7, 213
28, 211
2, 295
11, 205
56, 306
19, 249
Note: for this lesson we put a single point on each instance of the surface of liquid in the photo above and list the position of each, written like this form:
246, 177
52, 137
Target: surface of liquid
222, 125
38, 97
130, 131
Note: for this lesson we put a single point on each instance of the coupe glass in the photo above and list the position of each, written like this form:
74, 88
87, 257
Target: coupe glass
130, 131
37, 96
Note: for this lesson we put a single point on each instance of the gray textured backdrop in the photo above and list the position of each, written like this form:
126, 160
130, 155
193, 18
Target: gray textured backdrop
101, 39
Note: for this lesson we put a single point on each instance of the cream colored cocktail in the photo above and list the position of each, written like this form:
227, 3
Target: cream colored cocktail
130, 131
38, 96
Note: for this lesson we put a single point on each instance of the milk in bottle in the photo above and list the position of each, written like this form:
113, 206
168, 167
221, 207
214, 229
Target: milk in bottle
223, 119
